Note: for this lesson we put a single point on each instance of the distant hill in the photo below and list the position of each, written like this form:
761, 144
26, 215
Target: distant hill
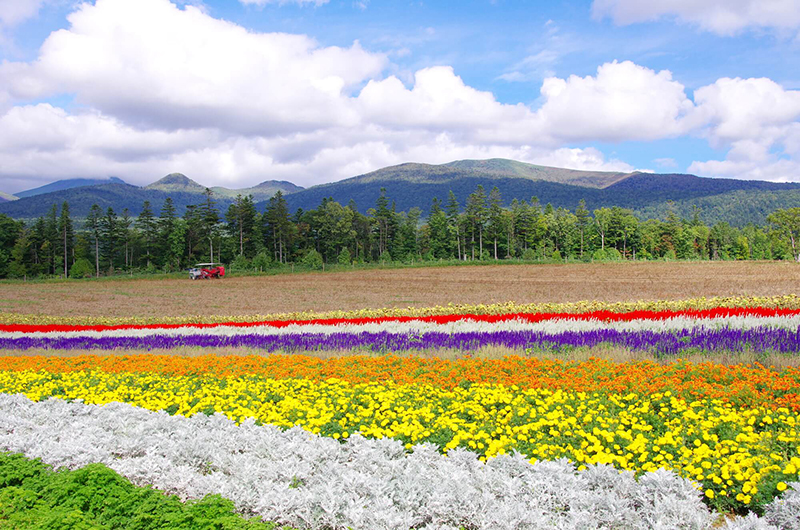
410, 185
120, 195
177, 182
66, 184
5, 197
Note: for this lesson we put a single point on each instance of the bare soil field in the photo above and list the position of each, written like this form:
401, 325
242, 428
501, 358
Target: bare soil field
418, 287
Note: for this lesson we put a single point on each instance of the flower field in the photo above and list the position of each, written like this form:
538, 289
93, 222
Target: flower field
380, 439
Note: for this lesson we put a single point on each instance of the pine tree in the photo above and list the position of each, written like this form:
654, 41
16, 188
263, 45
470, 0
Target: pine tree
147, 225
209, 216
495, 216
241, 221
452, 211
125, 234
110, 236
166, 225
476, 213
66, 236
93, 222
278, 227
51, 243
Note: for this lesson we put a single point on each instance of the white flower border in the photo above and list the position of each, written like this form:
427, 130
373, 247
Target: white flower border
460, 326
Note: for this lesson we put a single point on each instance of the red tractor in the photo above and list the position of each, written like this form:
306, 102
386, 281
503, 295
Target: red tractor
207, 271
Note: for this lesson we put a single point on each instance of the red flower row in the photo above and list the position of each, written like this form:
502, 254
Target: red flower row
605, 316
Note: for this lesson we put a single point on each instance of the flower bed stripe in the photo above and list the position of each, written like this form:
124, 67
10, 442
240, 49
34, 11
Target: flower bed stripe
314, 482
418, 327
753, 447
784, 302
603, 316
671, 343
743, 385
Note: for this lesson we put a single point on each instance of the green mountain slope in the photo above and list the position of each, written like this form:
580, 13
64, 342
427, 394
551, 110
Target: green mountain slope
502, 167
177, 182
66, 184
410, 185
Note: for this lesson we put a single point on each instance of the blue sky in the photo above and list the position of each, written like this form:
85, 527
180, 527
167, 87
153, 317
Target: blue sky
236, 92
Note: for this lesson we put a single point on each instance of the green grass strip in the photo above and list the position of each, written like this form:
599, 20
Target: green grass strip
34, 496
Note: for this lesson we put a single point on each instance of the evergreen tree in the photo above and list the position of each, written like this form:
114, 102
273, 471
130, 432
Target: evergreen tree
147, 225
439, 239
495, 216
50, 243
476, 212
66, 237
384, 221
125, 234
166, 225
241, 222
110, 236
209, 218
278, 227
93, 222
453, 209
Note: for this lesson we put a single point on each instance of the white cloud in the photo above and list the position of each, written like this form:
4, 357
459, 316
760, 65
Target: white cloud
666, 162
757, 120
441, 101
723, 17
746, 108
12, 12
151, 63
624, 101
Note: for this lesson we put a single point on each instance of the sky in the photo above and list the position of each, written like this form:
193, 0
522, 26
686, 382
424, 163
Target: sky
236, 92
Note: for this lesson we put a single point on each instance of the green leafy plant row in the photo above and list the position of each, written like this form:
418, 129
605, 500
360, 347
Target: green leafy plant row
34, 496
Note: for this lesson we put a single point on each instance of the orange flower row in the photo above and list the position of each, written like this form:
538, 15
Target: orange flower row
743, 385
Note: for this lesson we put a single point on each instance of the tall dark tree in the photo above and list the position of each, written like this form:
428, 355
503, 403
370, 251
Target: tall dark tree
93, 222
125, 223
166, 226
452, 210
66, 237
278, 227
495, 216
147, 225
240, 221
384, 221
209, 217
476, 212
50, 248
110, 237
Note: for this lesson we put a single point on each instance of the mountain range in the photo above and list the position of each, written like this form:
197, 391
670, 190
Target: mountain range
415, 185
119, 195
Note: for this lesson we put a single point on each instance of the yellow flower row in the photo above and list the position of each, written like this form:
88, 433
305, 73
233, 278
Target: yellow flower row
741, 457
787, 301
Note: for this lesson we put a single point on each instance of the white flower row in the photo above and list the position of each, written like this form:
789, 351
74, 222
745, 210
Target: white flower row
311, 482
461, 326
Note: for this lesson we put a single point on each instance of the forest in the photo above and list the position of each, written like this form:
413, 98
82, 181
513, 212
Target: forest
246, 239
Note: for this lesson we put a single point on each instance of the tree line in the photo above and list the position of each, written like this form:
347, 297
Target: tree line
108, 242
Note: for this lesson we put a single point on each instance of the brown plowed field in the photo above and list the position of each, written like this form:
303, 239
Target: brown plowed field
401, 287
